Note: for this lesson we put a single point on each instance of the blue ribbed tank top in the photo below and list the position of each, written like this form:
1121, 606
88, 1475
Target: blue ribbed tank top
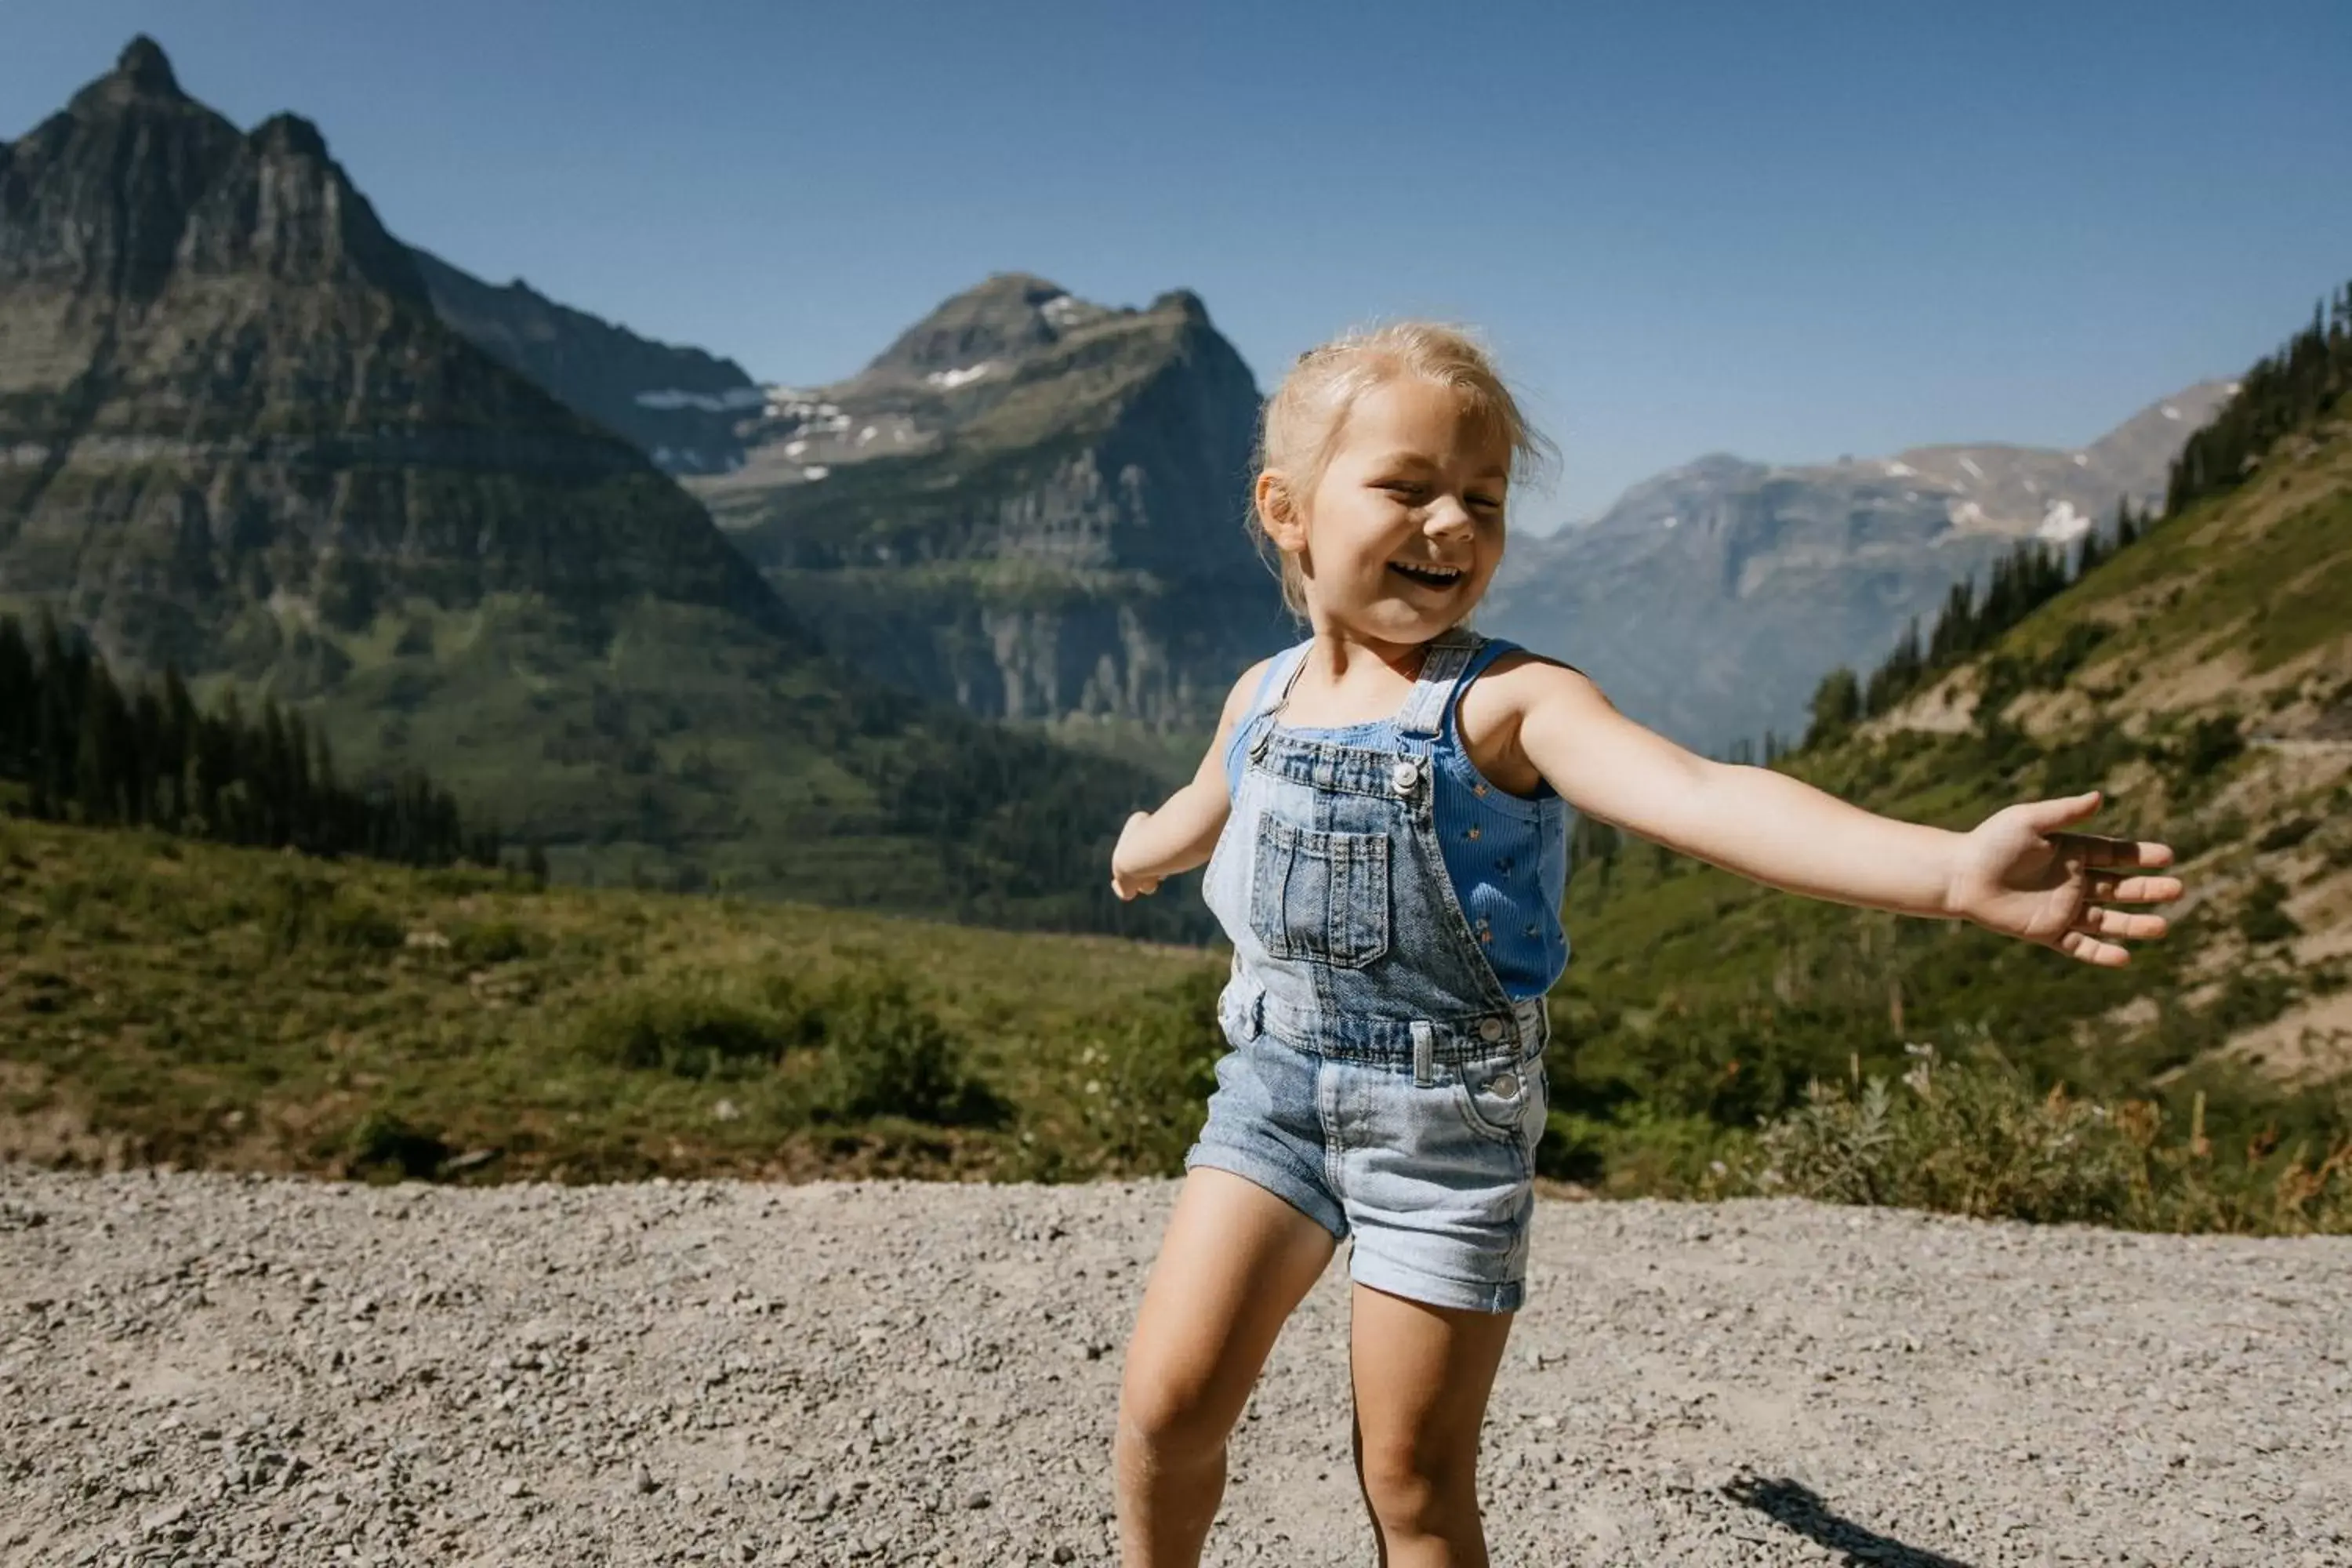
1506, 855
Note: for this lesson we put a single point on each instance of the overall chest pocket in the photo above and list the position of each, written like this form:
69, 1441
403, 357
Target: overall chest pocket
1320, 896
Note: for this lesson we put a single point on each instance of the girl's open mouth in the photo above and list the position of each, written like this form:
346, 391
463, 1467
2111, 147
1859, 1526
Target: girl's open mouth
1429, 576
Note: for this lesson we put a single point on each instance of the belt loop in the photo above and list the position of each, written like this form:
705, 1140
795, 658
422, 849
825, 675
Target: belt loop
1534, 1016
1424, 1052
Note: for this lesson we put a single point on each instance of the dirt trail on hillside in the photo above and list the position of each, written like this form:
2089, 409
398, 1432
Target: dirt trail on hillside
205, 1369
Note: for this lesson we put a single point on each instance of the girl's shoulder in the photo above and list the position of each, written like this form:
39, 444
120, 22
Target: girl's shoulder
1504, 684
1502, 676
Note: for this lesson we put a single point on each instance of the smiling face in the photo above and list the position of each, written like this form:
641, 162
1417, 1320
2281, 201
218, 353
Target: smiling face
1404, 528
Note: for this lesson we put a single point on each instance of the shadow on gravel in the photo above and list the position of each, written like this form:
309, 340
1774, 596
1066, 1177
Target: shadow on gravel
1798, 1508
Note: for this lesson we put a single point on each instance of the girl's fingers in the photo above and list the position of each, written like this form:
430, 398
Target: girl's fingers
2110, 888
2096, 922
2097, 851
2090, 950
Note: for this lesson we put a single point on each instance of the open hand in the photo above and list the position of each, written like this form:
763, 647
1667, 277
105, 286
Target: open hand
2018, 874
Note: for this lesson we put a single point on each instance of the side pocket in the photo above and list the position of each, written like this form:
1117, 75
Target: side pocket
1500, 1099
1323, 897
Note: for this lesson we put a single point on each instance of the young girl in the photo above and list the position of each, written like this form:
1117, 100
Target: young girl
1387, 804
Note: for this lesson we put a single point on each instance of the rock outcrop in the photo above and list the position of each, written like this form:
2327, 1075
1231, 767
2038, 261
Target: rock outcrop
1028, 505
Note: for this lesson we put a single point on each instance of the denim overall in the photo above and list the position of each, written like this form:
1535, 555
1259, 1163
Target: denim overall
1380, 1080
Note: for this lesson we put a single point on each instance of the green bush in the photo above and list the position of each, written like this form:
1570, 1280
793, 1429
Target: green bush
488, 942
2082, 639
1978, 1139
2211, 742
384, 1143
1142, 1081
353, 921
884, 1056
298, 906
1971, 1142
2262, 920
697, 1027
289, 908
2287, 835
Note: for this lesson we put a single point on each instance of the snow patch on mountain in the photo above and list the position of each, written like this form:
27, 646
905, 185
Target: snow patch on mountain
949, 380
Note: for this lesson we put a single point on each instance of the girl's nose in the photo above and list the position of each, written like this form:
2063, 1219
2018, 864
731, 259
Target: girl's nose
1448, 515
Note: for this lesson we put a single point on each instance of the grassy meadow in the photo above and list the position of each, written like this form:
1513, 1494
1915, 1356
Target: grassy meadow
169, 1001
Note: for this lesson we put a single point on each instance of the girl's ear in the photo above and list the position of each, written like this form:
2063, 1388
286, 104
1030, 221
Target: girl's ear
1278, 513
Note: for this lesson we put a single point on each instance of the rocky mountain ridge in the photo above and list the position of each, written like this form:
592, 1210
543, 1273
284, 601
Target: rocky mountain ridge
1029, 504
236, 436
681, 407
1709, 600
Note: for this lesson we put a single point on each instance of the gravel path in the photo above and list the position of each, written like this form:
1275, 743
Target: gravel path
210, 1369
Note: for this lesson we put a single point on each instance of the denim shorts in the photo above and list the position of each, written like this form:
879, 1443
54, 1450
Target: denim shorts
1434, 1182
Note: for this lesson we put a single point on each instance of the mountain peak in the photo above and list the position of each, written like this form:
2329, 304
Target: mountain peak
144, 66
290, 133
1184, 302
1005, 316
142, 72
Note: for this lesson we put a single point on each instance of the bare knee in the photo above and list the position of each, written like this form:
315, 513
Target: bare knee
1418, 1491
1170, 1420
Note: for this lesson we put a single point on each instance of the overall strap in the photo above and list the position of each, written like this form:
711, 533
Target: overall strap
1442, 669
1488, 651
1261, 711
1288, 665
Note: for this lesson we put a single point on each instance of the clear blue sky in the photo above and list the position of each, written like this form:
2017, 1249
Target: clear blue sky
1786, 230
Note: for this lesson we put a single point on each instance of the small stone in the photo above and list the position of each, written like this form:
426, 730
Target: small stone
975, 1500
513, 1488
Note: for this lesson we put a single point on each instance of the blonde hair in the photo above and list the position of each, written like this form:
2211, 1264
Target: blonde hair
1299, 428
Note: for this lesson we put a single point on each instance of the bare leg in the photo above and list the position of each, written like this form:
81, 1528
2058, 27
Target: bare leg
1235, 1262
1422, 1378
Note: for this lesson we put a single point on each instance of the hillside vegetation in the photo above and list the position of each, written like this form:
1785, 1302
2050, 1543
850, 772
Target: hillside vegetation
168, 1000
2200, 676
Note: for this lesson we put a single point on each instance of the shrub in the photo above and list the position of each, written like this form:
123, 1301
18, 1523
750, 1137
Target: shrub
354, 922
488, 942
2287, 835
2262, 920
1142, 1081
2082, 639
697, 1028
2211, 742
290, 905
297, 907
884, 1056
386, 1143
1977, 1139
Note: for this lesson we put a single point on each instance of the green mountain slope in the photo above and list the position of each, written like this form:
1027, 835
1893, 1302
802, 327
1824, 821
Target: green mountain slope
235, 435
2202, 678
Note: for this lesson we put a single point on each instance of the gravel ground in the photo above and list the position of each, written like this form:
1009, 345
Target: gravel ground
211, 1369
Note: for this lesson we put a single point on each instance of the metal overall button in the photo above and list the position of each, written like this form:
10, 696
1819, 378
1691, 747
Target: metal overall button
1404, 774
1490, 1029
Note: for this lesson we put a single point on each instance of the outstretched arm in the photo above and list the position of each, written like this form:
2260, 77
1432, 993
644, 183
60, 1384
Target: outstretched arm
1182, 833
2015, 873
